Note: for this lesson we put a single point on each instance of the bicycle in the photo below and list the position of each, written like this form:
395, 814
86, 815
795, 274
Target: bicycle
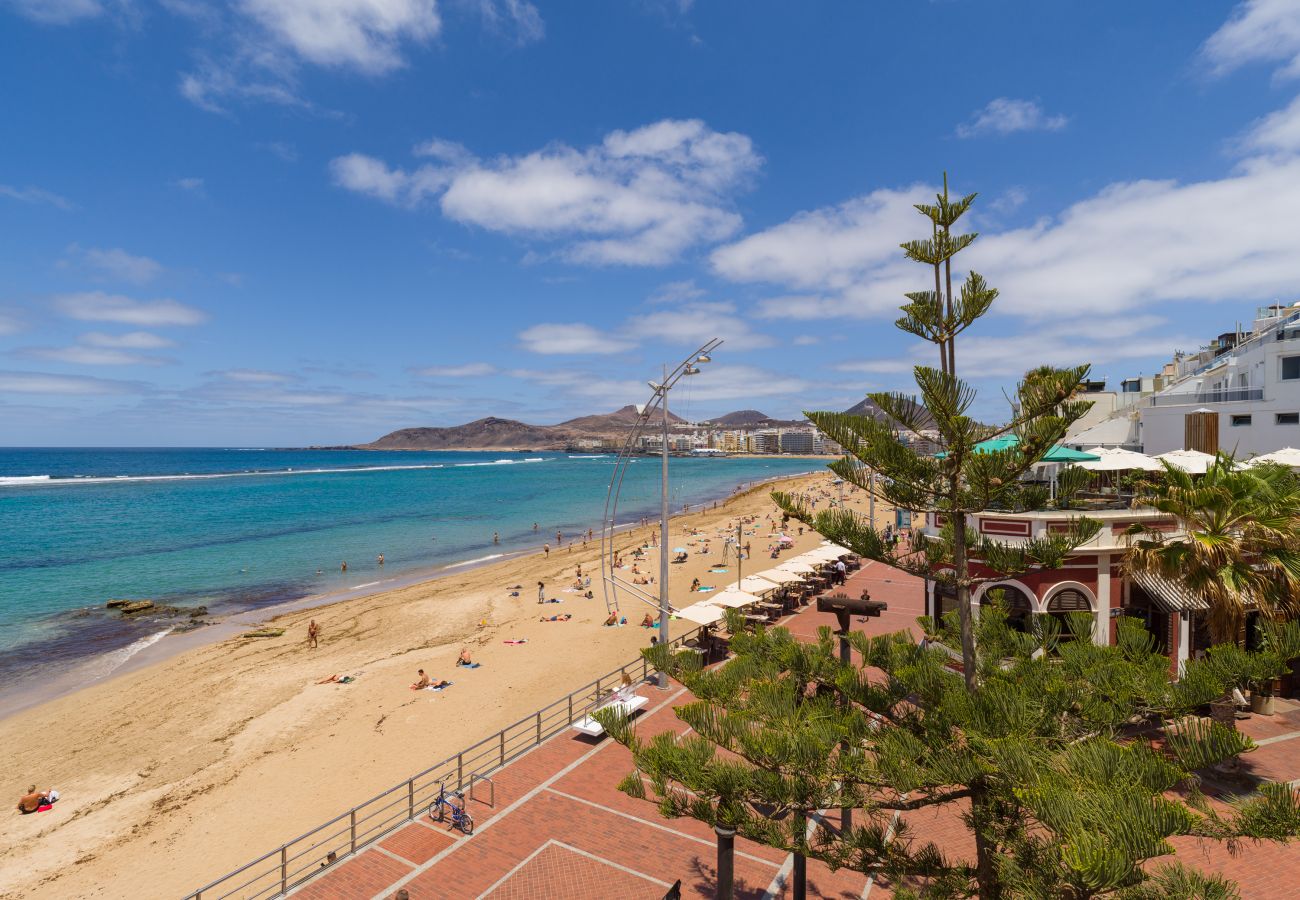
460, 818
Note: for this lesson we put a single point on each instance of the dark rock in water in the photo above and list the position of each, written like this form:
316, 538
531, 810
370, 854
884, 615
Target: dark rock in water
137, 606
117, 604
198, 611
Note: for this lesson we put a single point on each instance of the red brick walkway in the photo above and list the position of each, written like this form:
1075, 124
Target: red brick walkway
560, 829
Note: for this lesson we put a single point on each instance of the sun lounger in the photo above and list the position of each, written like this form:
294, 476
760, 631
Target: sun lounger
589, 726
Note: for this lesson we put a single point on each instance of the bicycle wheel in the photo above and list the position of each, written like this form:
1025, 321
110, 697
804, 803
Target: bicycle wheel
467, 824
438, 812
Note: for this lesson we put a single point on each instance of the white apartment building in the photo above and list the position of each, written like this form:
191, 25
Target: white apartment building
1250, 380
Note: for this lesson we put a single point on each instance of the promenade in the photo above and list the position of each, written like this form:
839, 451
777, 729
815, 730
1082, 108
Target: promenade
559, 828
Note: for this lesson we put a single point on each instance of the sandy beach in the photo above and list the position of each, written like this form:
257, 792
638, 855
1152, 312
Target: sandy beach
178, 772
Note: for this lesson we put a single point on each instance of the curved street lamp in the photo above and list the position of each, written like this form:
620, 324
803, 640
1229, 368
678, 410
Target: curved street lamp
658, 403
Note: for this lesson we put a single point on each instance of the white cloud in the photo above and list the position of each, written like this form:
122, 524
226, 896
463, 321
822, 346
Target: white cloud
281, 150
78, 355
131, 340
675, 292
193, 185
517, 19
43, 383
806, 340
57, 12
640, 197
31, 194
571, 338
253, 376
1259, 31
116, 264
1278, 132
1131, 245
372, 177
696, 323
366, 35
1098, 341
96, 306
1006, 115
468, 370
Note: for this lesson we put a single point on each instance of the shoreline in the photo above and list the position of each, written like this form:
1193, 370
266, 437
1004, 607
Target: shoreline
165, 769
166, 644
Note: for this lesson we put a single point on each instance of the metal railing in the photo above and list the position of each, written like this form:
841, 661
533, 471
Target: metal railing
1226, 396
273, 874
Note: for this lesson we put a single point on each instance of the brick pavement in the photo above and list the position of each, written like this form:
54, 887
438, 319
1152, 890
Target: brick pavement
560, 829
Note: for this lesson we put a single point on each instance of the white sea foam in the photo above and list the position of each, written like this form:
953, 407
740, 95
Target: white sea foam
110, 662
17, 480
46, 480
470, 562
588, 456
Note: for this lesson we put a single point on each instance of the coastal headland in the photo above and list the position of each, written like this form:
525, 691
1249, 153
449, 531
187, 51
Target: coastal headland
177, 772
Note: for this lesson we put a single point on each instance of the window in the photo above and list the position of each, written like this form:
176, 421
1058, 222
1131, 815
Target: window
1288, 418
1290, 368
1240, 420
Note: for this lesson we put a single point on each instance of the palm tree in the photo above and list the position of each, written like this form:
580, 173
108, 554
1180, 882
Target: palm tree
1237, 546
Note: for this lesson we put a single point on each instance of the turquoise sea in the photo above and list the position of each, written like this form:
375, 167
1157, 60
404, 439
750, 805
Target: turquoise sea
234, 529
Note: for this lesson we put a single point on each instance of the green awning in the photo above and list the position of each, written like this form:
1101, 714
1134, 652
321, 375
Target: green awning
1057, 454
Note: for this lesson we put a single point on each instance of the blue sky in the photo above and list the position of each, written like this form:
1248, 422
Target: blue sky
313, 221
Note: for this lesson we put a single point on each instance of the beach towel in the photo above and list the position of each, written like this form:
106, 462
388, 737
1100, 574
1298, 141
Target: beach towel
705, 589
469, 666
440, 687
719, 571
516, 641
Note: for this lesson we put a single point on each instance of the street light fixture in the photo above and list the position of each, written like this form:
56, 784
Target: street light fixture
613, 583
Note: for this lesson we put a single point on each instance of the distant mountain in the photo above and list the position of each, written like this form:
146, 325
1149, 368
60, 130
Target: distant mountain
620, 419
741, 417
868, 407
489, 433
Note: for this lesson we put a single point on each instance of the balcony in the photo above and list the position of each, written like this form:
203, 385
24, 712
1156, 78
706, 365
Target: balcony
1235, 395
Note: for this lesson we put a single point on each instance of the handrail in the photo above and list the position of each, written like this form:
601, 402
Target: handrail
491, 753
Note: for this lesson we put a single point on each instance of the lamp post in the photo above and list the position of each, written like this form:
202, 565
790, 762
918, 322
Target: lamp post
690, 367
645, 414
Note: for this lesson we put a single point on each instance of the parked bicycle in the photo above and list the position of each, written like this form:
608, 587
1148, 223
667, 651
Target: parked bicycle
460, 818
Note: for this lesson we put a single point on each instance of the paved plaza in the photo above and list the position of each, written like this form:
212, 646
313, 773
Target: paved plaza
560, 829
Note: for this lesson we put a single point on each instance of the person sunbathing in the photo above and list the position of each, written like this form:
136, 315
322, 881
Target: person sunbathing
612, 620
337, 679
564, 618
464, 659
33, 800
647, 622
421, 683
695, 584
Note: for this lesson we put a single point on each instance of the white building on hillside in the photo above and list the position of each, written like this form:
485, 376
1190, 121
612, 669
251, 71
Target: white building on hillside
1249, 381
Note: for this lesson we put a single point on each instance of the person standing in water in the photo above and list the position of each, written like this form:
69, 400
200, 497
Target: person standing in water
381, 559
496, 538
344, 566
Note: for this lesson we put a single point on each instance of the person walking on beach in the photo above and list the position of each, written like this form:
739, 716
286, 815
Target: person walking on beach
313, 634
546, 550
541, 592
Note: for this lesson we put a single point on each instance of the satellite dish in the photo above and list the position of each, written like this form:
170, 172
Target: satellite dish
640, 409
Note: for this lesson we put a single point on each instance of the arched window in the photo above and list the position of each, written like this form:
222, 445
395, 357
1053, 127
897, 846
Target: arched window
1014, 600
1070, 600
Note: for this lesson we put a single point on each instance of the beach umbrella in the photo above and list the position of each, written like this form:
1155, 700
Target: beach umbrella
701, 614
779, 576
809, 559
1057, 454
797, 567
826, 554
1193, 462
733, 598
756, 584
1287, 456
1116, 460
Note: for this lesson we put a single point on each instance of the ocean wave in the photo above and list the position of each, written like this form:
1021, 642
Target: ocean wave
588, 456
500, 462
46, 480
16, 480
110, 662
470, 562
